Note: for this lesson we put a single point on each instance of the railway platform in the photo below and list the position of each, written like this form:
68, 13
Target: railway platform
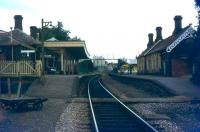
180, 85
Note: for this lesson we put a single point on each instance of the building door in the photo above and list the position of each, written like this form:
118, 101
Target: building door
181, 67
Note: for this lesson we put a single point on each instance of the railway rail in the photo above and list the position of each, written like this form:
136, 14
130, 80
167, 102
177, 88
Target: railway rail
113, 116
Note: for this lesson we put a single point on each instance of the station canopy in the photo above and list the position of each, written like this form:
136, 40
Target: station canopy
77, 49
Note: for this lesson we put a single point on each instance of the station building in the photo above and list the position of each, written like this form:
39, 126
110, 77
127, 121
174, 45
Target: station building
172, 56
19, 54
21, 57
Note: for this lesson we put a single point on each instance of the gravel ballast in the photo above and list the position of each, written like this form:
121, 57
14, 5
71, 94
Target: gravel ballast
74, 118
181, 116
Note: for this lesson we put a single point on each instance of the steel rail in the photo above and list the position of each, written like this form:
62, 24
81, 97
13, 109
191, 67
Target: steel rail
91, 107
151, 127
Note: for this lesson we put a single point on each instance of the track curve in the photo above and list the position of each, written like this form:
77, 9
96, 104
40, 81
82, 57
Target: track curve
113, 116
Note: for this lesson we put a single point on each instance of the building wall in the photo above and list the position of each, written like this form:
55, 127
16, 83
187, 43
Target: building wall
99, 63
141, 65
150, 64
153, 63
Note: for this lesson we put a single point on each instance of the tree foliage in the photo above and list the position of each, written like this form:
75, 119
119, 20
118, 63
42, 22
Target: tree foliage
58, 32
197, 3
121, 62
75, 38
196, 71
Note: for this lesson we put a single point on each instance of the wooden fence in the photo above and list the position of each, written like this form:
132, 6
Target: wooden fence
20, 68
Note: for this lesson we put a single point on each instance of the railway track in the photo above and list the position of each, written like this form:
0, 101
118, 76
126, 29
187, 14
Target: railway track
113, 116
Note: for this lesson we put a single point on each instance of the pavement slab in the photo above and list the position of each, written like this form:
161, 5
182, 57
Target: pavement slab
180, 85
39, 121
54, 86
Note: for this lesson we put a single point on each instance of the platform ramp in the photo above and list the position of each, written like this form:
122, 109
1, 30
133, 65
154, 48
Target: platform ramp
54, 86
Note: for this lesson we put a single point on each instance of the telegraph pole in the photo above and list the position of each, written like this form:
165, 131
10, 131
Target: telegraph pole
44, 25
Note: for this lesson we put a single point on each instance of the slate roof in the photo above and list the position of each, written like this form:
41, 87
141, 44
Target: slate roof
163, 44
18, 37
5, 39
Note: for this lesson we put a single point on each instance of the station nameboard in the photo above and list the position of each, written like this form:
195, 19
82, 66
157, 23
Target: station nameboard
27, 51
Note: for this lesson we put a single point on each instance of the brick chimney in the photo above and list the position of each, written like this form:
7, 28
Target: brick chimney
33, 31
178, 24
18, 22
150, 43
158, 34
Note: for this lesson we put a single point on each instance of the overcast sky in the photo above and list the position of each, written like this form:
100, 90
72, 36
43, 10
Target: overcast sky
109, 27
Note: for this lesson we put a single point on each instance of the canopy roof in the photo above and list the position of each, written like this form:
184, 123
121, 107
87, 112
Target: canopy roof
76, 48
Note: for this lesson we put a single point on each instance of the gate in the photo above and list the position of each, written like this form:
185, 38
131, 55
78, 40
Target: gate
20, 68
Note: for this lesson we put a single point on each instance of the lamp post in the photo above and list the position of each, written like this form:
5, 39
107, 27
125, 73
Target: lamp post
11, 40
44, 25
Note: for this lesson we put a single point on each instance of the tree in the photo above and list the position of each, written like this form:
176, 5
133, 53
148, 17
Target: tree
60, 33
121, 62
75, 39
56, 31
196, 71
197, 3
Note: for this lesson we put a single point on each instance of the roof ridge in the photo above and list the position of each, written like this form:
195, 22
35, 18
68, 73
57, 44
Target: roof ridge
153, 47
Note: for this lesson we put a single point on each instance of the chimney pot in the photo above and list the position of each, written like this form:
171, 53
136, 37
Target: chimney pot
150, 43
158, 34
178, 24
18, 22
33, 31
